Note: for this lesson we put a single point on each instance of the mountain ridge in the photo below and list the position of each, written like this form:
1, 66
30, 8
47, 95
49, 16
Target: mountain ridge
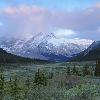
45, 46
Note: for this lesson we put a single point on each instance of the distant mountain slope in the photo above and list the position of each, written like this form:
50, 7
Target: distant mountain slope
10, 58
91, 53
44, 46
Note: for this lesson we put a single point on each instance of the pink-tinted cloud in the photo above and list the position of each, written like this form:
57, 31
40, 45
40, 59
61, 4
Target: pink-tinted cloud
25, 19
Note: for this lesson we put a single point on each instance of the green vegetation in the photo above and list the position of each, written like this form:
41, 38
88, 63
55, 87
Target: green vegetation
2, 82
69, 81
40, 78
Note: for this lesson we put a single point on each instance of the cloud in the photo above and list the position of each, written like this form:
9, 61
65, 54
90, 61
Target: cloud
64, 33
24, 19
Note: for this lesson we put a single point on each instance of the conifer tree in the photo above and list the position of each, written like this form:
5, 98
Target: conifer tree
14, 89
75, 71
1, 86
40, 78
68, 71
27, 83
26, 89
2, 83
86, 71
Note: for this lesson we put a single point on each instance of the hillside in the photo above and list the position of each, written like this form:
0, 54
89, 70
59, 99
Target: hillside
10, 58
91, 53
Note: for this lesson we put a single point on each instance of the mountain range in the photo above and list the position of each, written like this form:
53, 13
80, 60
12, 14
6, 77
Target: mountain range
45, 46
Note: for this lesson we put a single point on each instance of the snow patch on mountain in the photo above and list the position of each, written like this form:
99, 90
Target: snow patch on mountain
58, 41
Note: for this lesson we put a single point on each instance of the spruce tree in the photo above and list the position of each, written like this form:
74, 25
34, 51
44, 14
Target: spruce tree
75, 71
27, 89
40, 78
86, 71
2, 83
14, 89
27, 83
68, 71
1, 86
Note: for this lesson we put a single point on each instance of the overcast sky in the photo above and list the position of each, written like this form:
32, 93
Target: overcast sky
65, 18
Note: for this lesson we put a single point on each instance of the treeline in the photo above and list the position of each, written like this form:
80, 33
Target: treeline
84, 71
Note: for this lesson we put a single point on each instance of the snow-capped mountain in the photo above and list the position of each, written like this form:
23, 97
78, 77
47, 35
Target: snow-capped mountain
44, 46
